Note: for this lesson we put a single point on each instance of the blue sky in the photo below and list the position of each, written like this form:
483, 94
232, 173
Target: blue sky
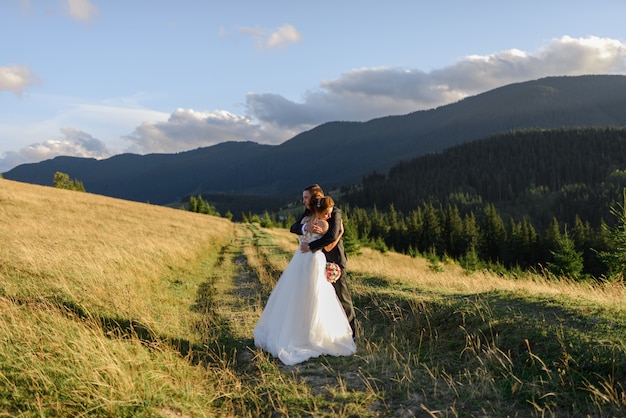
95, 78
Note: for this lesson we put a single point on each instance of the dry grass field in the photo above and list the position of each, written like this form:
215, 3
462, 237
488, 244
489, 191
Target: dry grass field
122, 309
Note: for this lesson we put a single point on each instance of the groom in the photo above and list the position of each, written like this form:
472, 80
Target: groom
336, 255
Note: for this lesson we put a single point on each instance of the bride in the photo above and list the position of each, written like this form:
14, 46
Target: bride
303, 317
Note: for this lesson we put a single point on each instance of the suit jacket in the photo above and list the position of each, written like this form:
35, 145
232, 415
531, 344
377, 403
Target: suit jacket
337, 254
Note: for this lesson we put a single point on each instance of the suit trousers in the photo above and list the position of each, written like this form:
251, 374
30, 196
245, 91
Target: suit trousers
343, 294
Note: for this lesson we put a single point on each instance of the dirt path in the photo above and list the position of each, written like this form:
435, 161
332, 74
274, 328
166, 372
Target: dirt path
256, 264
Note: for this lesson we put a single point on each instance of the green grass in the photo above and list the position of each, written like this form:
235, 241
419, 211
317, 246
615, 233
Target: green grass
497, 353
114, 308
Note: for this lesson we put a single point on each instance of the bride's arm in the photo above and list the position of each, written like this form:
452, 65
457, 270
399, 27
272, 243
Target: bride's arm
322, 224
329, 237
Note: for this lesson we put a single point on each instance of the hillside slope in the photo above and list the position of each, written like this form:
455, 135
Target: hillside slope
117, 308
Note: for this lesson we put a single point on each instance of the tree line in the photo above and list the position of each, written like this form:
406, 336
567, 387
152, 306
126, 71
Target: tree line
538, 174
485, 239
527, 199
539, 199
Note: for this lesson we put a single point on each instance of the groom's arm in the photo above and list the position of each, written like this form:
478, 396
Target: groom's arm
296, 228
333, 244
334, 229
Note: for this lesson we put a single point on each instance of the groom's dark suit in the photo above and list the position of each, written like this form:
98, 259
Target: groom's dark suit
336, 255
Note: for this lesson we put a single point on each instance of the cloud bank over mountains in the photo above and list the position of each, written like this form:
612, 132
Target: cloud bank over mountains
357, 95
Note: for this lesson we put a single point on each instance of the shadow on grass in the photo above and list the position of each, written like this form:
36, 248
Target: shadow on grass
125, 328
528, 345
214, 330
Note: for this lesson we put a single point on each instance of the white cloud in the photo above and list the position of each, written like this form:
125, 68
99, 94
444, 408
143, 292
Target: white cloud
358, 95
187, 129
72, 142
284, 35
563, 56
85, 143
25, 5
268, 39
111, 119
82, 10
16, 78
367, 93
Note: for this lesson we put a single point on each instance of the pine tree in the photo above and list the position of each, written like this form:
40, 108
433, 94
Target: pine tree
397, 238
530, 242
431, 231
615, 258
552, 236
266, 220
567, 261
361, 223
351, 243
379, 226
453, 232
470, 260
493, 235
415, 222
193, 204
516, 245
471, 232
202, 205
581, 233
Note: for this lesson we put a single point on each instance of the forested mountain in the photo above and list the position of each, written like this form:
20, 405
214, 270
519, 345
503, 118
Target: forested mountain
538, 174
352, 150
526, 199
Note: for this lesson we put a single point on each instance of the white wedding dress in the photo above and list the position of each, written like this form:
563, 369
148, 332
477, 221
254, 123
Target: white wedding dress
303, 317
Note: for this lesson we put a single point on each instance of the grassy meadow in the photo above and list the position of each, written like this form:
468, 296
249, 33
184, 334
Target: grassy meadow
121, 309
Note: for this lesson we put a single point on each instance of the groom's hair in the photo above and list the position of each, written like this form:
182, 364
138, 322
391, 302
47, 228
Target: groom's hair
315, 190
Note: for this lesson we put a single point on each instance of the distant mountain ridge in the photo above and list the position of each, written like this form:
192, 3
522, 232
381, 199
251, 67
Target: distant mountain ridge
341, 153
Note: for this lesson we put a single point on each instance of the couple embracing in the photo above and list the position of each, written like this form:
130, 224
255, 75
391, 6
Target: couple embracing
306, 315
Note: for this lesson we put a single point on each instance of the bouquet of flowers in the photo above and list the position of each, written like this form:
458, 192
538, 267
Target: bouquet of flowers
333, 272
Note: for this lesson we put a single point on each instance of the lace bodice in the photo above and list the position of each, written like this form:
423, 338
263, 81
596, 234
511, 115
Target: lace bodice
309, 237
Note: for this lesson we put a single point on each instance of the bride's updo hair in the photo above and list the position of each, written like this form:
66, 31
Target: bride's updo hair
321, 204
